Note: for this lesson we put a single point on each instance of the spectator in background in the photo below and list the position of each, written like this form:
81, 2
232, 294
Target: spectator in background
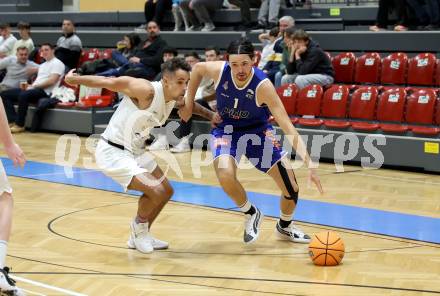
146, 61
18, 69
7, 41
49, 76
382, 15
168, 54
179, 16
189, 16
203, 10
308, 63
154, 10
245, 11
69, 46
268, 52
125, 49
280, 59
24, 30
268, 14
427, 14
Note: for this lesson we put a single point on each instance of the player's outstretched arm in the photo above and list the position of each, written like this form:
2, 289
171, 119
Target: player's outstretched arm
269, 96
12, 149
117, 84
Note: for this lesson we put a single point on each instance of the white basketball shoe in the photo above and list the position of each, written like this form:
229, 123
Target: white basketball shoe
157, 244
292, 233
7, 284
252, 225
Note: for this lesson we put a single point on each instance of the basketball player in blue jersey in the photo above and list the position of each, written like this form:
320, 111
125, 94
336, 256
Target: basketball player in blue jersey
244, 99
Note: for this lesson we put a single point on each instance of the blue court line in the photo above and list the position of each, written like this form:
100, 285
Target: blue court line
395, 224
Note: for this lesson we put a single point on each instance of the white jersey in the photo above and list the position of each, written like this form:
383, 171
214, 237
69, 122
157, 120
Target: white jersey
130, 126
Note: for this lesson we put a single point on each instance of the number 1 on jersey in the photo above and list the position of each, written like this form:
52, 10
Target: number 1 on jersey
236, 103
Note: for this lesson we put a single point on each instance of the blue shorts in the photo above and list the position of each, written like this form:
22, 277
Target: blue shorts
261, 148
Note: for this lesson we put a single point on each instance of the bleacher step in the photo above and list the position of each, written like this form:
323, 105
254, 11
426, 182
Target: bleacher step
100, 128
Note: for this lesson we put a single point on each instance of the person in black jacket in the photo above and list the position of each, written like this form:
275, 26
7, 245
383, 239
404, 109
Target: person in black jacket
308, 63
146, 61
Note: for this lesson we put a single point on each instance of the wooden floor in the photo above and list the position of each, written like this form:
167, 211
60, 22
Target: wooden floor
74, 238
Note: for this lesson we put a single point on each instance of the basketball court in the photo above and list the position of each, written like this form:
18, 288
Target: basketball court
71, 227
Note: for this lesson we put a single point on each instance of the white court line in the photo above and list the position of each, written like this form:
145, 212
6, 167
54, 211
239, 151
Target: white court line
49, 287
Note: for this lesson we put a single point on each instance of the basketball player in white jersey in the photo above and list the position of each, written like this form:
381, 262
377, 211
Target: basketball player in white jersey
119, 151
7, 285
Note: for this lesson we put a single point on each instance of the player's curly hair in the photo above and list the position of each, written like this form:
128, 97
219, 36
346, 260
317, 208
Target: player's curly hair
175, 64
241, 46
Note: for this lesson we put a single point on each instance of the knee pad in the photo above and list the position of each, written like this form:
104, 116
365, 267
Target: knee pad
293, 195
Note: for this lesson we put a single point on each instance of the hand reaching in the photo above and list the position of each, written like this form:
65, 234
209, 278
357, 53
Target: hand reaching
15, 153
313, 177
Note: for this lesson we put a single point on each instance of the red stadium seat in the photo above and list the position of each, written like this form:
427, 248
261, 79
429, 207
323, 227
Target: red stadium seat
334, 105
106, 53
437, 73
343, 65
421, 69
420, 110
309, 105
394, 68
437, 113
363, 106
288, 94
89, 55
38, 58
390, 108
368, 68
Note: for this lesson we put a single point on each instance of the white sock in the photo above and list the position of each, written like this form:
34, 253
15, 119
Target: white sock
285, 217
246, 206
3, 250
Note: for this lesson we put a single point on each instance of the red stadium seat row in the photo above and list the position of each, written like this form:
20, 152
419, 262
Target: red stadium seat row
423, 69
394, 110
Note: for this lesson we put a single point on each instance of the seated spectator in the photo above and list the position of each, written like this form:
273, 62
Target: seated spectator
308, 63
268, 52
203, 10
7, 41
24, 29
49, 76
146, 61
277, 67
382, 15
245, 11
168, 54
126, 49
268, 14
18, 69
154, 10
69, 46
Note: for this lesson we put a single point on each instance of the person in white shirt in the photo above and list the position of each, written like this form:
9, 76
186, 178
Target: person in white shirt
49, 76
24, 30
7, 42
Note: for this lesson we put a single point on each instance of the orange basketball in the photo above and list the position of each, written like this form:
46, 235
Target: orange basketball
326, 249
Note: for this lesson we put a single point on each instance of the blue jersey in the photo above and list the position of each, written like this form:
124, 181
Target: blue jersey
238, 106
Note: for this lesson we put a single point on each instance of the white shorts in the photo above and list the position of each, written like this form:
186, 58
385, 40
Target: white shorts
4, 183
122, 165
